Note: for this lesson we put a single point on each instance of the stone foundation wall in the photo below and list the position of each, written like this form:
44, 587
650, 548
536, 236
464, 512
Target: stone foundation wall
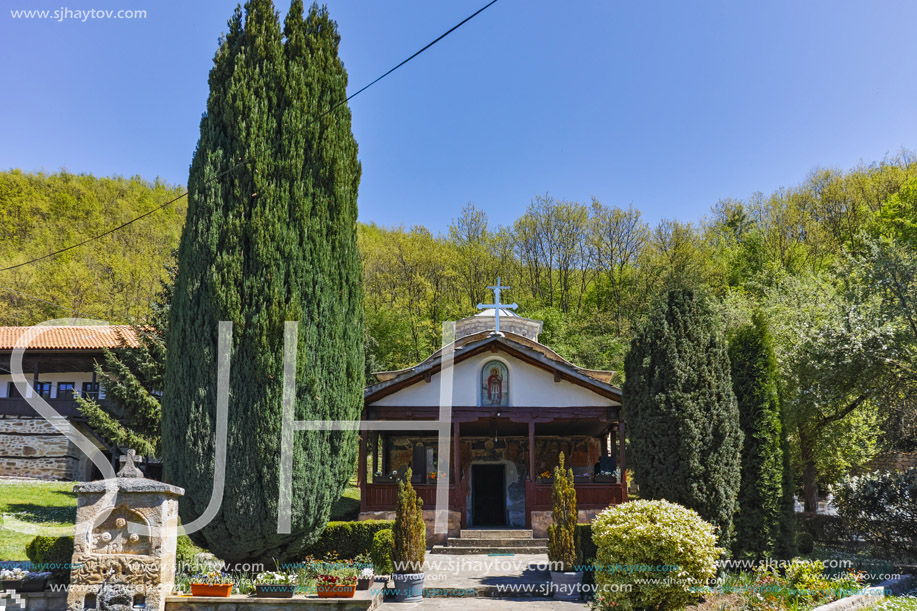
542, 519
429, 518
32, 447
893, 461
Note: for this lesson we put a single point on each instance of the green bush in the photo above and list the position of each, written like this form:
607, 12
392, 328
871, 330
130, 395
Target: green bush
805, 543
586, 551
381, 552
880, 507
347, 539
409, 531
654, 541
825, 529
562, 531
51, 554
186, 553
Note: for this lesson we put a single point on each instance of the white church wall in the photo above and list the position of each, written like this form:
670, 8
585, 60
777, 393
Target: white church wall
529, 386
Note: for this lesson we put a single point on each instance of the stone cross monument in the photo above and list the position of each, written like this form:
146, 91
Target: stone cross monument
124, 543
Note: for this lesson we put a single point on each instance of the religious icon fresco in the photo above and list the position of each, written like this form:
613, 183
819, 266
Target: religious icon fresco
494, 385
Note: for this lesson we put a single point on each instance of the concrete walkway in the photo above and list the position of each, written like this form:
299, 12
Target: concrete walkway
474, 575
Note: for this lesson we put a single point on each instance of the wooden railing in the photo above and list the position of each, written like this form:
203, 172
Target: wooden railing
383, 497
20, 407
588, 496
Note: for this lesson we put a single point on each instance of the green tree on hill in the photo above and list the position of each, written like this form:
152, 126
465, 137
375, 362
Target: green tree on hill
133, 379
681, 411
270, 237
754, 382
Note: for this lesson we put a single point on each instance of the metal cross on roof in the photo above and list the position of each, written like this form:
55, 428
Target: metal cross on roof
496, 305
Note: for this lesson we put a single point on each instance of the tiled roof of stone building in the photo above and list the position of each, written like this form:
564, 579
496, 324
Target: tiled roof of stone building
70, 337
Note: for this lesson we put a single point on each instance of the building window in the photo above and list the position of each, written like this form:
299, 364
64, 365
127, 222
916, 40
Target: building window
13, 392
65, 390
42, 389
91, 390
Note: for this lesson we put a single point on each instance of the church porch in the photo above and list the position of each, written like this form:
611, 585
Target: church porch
494, 480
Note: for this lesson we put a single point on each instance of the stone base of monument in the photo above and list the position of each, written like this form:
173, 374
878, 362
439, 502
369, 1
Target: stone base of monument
363, 600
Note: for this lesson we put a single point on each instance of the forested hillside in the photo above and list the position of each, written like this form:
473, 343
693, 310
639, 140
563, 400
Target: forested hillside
112, 279
830, 263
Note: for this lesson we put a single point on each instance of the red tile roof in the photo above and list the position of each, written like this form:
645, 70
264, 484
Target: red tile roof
71, 338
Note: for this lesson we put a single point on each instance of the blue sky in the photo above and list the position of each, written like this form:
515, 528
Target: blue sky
666, 105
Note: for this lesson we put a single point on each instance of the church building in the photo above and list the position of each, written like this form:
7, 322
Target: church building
516, 405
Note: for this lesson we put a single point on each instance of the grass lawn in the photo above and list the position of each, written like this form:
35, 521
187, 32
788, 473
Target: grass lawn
30, 508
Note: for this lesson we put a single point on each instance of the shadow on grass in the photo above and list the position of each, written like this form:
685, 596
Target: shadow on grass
345, 509
40, 514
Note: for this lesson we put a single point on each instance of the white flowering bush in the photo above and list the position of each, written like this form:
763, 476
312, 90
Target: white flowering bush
652, 555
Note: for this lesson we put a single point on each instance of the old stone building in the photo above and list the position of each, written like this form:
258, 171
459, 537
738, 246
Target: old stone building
515, 406
57, 363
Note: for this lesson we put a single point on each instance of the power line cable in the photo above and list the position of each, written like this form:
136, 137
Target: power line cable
231, 168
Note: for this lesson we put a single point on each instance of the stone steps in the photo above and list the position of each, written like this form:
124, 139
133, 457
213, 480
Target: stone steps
492, 542
487, 533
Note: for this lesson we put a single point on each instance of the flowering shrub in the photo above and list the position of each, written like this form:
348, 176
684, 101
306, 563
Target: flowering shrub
274, 578
14, 574
803, 584
212, 578
652, 554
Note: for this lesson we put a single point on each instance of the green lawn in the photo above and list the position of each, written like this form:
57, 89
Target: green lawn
33, 508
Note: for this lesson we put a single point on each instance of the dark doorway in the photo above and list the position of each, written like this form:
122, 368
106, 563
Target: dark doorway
488, 495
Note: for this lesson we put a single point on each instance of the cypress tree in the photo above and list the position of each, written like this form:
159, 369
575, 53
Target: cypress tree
270, 237
754, 382
681, 411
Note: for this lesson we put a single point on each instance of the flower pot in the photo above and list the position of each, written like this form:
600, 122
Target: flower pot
222, 590
336, 590
606, 479
275, 590
567, 585
408, 587
363, 583
30, 584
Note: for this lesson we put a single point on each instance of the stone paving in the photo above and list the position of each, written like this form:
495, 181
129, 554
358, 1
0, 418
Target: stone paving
489, 604
474, 575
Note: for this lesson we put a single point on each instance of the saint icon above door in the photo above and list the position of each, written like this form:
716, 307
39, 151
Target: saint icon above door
494, 384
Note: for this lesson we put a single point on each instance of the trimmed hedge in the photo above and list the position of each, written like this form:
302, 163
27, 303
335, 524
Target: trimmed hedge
381, 552
347, 539
825, 529
51, 554
586, 551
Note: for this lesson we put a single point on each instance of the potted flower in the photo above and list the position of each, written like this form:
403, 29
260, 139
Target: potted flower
214, 583
367, 575
21, 580
566, 583
410, 543
337, 583
275, 585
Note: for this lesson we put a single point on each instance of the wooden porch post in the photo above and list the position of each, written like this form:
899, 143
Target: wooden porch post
457, 490
375, 451
361, 470
621, 462
530, 482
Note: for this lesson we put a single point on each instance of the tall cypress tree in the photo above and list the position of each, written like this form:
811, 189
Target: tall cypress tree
754, 382
681, 411
270, 237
